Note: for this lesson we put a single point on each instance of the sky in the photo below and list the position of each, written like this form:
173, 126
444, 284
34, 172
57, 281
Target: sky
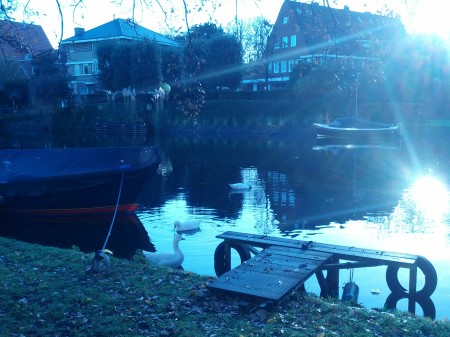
418, 16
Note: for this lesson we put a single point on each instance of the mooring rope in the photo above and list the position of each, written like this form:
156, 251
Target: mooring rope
115, 213
351, 274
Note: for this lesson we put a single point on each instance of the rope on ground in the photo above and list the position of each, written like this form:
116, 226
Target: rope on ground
101, 260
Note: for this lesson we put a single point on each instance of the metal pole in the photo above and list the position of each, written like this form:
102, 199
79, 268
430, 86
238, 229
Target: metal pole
236, 17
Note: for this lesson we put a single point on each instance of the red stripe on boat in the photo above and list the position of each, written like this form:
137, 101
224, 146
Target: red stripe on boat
129, 208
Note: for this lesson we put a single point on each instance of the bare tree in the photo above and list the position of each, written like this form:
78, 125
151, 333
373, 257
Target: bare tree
253, 35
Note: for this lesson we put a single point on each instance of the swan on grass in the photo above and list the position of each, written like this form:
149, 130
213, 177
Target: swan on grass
240, 186
186, 226
173, 260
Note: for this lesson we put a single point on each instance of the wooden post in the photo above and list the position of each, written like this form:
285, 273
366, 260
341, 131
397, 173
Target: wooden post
412, 289
227, 256
332, 280
322, 283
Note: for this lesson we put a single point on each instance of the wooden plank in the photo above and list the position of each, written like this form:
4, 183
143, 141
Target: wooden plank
335, 249
269, 275
364, 257
368, 253
273, 288
266, 286
342, 252
297, 272
270, 262
260, 240
293, 252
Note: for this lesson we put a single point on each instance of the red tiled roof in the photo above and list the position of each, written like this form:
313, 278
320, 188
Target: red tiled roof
19, 39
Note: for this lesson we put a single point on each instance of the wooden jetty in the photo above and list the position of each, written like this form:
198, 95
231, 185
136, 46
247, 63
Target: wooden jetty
279, 266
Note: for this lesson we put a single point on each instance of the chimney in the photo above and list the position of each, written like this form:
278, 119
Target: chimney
79, 30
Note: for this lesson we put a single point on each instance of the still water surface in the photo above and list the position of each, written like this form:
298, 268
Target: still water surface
392, 196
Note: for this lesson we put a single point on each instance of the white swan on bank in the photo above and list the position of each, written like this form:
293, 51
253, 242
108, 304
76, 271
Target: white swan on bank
240, 186
173, 260
186, 226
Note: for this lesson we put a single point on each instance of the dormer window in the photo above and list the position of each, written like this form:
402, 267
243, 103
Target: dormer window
285, 20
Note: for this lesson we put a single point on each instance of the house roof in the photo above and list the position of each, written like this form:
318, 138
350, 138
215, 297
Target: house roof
120, 29
19, 40
323, 26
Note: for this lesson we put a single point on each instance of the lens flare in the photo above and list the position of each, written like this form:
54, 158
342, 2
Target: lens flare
430, 196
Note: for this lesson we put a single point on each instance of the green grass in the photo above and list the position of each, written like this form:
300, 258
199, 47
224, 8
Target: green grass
51, 292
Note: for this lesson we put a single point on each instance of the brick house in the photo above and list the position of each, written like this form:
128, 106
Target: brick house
82, 63
308, 32
20, 43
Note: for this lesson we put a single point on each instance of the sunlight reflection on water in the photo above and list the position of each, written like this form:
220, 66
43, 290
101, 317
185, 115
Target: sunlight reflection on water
374, 201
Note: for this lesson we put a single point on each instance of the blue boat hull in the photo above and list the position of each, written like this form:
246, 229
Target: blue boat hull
74, 181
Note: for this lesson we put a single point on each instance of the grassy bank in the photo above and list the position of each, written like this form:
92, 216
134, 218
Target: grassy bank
51, 292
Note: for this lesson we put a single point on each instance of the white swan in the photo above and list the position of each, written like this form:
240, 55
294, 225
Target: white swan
187, 226
173, 260
240, 186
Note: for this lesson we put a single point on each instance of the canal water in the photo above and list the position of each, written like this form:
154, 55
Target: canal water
390, 196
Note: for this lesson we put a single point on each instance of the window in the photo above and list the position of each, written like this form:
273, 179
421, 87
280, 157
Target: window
293, 40
276, 67
82, 69
270, 67
285, 41
291, 65
285, 20
283, 66
76, 69
277, 43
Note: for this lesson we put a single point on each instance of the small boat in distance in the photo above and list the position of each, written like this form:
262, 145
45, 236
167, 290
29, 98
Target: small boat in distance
356, 128
42, 182
240, 186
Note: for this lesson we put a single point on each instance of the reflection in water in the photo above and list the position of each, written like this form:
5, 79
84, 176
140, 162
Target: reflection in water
423, 208
88, 233
345, 195
426, 304
430, 197
353, 196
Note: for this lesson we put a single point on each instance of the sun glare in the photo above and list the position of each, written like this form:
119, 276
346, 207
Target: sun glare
430, 196
431, 18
